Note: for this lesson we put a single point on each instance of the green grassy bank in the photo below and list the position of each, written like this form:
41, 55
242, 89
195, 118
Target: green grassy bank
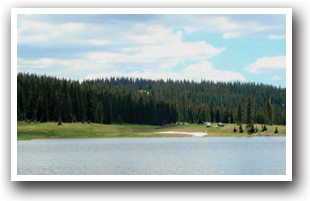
50, 130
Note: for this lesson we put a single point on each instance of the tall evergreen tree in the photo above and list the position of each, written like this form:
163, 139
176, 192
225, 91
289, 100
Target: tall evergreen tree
239, 113
66, 103
249, 121
269, 111
202, 115
183, 113
91, 106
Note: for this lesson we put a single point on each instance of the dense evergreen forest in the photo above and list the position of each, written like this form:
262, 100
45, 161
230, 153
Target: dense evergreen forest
142, 101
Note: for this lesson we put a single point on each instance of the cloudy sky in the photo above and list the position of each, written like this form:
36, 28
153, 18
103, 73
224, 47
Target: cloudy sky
250, 48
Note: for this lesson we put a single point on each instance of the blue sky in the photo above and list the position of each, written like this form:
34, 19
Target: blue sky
247, 48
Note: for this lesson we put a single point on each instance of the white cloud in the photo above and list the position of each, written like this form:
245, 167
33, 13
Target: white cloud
95, 42
38, 63
190, 30
143, 43
232, 35
153, 34
180, 50
35, 32
276, 37
150, 57
276, 78
159, 56
230, 27
267, 64
205, 70
63, 66
71, 27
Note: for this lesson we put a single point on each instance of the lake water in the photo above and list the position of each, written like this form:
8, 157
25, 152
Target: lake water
153, 156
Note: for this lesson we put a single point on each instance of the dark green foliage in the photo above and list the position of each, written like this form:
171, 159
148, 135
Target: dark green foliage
235, 130
182, 108
249, 122
217, 116
91, 101
119, 120
19, 115
256, 129
239, 113
276, 131
74, 119
251, 129
241, 129
141, 101
59, 121
201, 115
264, 128
212, 114
269, 111
66, 103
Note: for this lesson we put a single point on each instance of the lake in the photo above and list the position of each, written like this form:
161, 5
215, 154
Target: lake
153, 156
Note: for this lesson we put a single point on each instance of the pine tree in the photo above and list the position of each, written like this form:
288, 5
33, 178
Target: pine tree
59, 121
74, 119
201, 116
217, 116
249, 121
66, 104
251, 130
276, 131
265, 128
119, 120
83, 107
108, 109
91, 106
211, 114
101, 119
183, 113
269, 111
256, 129
99, 113
239, 113
240, 129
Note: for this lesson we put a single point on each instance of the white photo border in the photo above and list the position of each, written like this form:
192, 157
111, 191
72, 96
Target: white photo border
289, 97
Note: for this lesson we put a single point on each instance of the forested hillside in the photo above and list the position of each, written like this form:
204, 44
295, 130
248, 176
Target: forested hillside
141, 101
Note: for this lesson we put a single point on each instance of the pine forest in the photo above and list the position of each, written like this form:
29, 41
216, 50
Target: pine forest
143, 101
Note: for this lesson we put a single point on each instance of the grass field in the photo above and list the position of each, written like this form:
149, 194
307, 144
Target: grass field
227, 130
50, 130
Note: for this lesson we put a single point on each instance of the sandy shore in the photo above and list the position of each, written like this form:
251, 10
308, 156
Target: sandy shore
196, 134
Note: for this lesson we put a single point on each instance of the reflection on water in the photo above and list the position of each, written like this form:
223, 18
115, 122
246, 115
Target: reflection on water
153, 156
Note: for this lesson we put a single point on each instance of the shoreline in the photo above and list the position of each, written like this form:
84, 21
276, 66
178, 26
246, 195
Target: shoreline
149, 137
50, 130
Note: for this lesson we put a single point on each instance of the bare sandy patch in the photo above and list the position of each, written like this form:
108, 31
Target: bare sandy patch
195, 134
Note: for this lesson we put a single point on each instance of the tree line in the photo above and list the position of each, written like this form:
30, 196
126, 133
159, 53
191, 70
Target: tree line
142, 101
